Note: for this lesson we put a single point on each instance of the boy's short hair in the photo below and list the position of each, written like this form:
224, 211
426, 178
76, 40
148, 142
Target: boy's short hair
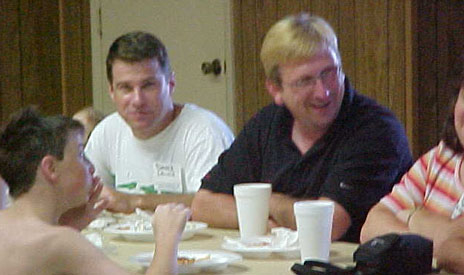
26, 140
296, 37
135, 47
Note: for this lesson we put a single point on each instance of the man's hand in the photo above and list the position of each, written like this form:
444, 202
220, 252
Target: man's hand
281, 210
118, 201
79, 217
271, 223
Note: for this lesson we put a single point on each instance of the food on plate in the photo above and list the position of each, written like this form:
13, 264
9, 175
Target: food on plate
259, 244
185, 260
125, 227
189, 260
135, 226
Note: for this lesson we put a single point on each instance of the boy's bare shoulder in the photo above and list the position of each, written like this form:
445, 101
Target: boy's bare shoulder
34, 248
71, 249
30, 247
74, 252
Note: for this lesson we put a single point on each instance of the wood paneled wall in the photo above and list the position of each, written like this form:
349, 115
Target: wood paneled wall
372, 39
378, 41
440, 31
45, 58
401, 52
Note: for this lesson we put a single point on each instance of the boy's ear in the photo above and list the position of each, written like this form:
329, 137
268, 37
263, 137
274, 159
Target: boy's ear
48, 168
275, 91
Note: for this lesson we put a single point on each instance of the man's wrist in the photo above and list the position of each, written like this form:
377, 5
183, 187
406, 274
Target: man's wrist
136, 201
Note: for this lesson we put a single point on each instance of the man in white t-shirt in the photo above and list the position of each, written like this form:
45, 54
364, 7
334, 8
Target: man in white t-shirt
152, 150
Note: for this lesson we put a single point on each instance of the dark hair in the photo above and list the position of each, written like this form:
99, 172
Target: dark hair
25, 140
135, 47
449, 135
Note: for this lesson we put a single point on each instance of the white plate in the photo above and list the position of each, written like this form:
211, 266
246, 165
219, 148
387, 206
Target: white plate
261, 252
101, 222
191, 228
206, 260
130, 234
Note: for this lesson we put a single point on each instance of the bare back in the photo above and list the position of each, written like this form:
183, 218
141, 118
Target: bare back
29, 246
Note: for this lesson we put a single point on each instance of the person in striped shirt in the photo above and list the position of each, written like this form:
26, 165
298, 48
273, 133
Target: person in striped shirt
429, 199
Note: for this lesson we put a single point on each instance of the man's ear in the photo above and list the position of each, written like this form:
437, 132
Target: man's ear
111, 91
48, 167
275, 91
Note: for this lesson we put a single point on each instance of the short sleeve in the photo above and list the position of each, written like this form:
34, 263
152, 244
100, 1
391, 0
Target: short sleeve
410, 191
203, 148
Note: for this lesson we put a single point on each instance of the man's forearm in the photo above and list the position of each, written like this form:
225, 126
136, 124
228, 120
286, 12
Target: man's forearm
281, 211
216, 209
127, 203
151, 201
341, 220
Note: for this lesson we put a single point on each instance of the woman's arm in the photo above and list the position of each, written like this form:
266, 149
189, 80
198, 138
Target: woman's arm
449, 254
381, 220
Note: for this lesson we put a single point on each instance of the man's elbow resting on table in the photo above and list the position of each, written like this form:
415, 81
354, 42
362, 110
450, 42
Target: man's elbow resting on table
216, 209
341, 221
200, 205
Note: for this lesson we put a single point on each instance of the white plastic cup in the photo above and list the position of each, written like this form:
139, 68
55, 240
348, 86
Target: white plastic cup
252, 201
314, 225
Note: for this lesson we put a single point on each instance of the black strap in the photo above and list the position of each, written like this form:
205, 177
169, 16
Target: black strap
316, 267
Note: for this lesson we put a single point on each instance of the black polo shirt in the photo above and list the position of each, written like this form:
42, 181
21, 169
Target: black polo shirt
356, 163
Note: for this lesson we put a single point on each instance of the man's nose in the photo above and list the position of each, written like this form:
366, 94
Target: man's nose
321, 92
138, 96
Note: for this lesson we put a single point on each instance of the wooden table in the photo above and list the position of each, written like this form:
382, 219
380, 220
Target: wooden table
121, 251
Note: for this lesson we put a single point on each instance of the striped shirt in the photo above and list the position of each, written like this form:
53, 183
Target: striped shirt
432, 182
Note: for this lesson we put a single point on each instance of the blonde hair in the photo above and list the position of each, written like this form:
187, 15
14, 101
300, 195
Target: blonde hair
296, 37
89, 117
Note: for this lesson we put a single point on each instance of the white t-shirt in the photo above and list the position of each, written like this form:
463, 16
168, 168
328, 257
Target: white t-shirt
173, 161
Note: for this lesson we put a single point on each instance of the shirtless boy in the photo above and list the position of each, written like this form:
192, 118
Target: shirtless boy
52, 183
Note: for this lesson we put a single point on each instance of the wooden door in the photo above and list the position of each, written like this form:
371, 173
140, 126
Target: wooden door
45, 58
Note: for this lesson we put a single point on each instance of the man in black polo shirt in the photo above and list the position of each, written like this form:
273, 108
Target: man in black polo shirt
319, 140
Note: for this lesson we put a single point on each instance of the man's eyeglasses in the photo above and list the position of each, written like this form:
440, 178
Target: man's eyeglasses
326, 76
